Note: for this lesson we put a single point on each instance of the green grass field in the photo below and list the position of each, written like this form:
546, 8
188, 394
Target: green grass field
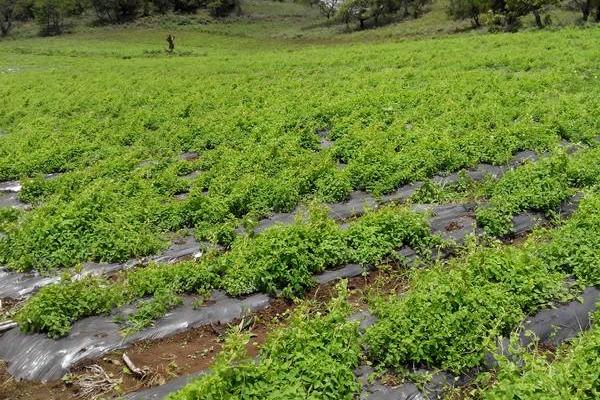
109, 112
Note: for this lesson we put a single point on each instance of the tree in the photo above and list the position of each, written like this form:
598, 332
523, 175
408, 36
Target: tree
364, 10
408, 7
117, 10
524, 7
222, 8
161, 6
418, 6
586, 7
468, 9
187, 6
329, 7
355, 10
50, 15
25, 10
8, 12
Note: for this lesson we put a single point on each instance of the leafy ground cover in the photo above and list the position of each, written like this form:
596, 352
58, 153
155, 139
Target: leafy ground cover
312, 357
390, 115
540, 186
449, 317
571, 374
282, 260
113, 114
454, 313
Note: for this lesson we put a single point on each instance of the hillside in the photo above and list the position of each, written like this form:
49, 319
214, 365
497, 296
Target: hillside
176, 207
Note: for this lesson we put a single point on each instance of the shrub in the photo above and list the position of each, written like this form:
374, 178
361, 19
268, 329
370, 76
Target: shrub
572, 373
84, 231
379, 234
284, 258
539, 186
149, 310
574, 248
333, 187
54, 308
222, 8
186, 276
453, 313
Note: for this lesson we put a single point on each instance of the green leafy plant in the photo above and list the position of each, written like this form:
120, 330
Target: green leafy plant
312, 356
56, 307
452, 313
573, 374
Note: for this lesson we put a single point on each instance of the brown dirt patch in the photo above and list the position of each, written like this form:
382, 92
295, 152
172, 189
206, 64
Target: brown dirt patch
190, 351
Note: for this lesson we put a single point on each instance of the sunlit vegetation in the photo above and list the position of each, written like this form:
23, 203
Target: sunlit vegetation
122, 140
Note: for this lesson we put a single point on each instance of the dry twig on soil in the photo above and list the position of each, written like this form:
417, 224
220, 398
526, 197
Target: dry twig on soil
95, 383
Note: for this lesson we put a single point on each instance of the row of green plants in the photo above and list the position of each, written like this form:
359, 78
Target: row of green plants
108, 215
258, 148
280, 261
570, 373
454, 312
451, 316
283, 259
540, 186
485, 295
313, 356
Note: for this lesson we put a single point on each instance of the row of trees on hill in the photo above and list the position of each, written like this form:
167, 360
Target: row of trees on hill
504, 14
587, 6
365, 10
51, 14
123, 10
508, 12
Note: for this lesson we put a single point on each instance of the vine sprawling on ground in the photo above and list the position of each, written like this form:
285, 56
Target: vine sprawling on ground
572, 374
282, 259
312, 357
454, 313
390, 118
121, 147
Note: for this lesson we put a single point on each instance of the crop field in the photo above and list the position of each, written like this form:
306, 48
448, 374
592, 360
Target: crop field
284, 210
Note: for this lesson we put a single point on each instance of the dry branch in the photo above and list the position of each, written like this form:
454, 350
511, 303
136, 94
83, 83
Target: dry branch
135, 370
95, 383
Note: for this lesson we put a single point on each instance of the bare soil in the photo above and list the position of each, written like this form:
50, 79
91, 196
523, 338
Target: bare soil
190, 351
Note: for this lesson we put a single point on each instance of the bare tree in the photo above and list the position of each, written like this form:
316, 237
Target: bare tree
329, 7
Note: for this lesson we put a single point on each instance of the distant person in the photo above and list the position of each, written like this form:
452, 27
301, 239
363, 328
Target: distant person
171, 42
